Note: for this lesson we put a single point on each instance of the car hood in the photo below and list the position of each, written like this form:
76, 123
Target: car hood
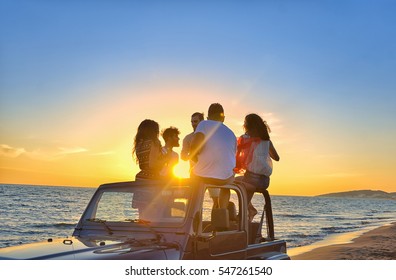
77, 248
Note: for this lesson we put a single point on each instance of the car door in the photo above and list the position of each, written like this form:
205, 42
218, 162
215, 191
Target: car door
229, 241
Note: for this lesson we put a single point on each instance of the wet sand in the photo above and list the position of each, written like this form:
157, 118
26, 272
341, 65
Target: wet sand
376, 244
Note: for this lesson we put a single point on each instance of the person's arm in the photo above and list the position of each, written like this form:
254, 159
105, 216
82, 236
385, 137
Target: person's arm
157, 160
184, 154
196, 145
273, 153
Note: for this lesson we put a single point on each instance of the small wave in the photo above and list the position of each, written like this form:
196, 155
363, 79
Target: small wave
26, 205
303, 236
296, 216
297, 239
58, 225
293, 243
28, 232
330, 230
375, 218
64, 225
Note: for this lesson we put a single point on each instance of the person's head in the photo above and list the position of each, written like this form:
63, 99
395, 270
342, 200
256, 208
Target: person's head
216, 112
147, 130
196, 118
171, 136
255, 126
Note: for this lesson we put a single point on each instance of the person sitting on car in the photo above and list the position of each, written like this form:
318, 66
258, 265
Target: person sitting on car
171, 138
148, 151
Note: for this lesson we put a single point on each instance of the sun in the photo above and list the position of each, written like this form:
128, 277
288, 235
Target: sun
182, 169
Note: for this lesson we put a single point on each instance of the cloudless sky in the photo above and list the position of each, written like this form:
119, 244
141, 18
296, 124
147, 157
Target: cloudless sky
77, 77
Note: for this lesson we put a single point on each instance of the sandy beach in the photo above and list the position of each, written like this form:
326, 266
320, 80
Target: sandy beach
376, 244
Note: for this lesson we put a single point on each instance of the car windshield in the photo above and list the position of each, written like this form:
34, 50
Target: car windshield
142, 204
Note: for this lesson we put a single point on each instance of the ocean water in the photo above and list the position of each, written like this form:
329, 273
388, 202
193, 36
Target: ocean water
36, 213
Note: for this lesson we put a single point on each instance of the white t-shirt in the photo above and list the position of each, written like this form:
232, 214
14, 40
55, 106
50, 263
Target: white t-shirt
217, 156
261, 161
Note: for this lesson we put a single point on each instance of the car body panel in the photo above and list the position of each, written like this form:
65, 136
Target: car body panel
158, 220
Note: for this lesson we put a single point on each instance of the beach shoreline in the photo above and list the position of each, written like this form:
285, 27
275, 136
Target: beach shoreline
367, 244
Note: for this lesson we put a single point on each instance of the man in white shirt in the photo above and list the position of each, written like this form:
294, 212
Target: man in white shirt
213, 147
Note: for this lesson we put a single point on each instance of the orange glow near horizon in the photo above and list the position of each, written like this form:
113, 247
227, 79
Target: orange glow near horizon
95, 148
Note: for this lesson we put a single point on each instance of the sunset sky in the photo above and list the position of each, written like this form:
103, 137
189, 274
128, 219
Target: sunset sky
77, 78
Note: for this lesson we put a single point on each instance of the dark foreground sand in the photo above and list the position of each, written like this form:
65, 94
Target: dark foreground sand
377, 244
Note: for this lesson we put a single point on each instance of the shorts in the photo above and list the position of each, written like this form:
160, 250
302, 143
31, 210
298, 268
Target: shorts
261, 182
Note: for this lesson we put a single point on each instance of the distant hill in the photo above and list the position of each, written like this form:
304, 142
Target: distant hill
362, 194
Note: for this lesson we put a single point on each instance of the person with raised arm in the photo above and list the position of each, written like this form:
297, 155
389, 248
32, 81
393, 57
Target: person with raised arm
213, 148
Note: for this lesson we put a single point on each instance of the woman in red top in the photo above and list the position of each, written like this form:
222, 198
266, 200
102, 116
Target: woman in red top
254, 153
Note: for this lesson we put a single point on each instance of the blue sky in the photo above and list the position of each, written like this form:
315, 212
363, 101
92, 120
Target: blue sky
322, 71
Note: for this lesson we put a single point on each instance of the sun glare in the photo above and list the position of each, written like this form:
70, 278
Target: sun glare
182, 170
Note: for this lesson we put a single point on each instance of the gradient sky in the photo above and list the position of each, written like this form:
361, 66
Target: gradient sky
77, 77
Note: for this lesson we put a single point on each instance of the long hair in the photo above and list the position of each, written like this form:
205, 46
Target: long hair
255, 126
147, 130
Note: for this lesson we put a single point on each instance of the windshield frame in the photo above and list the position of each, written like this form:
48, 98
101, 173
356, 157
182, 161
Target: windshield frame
89, 221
